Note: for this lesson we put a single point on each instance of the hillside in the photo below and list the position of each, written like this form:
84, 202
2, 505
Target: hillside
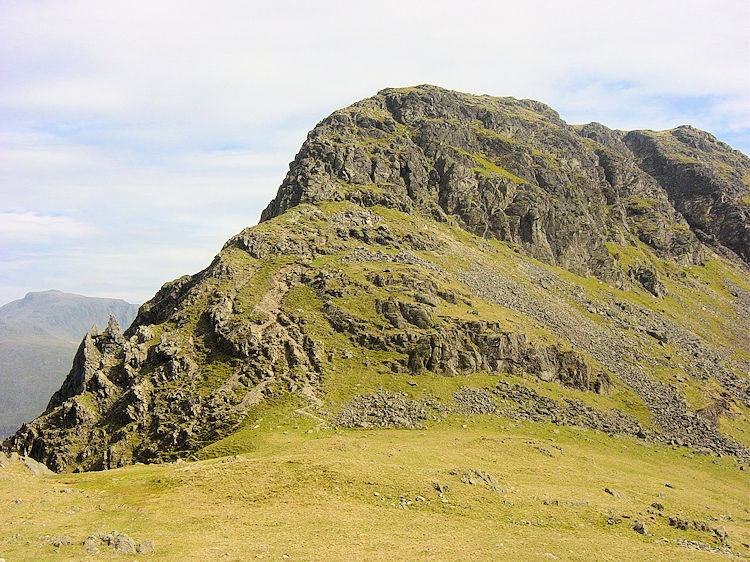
39, 335
456, 297
471, 488
432, 252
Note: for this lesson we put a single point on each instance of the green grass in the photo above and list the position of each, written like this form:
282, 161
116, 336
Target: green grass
641, 204
256, 284
488, 168
214, 372
301, 489
481, 131
335, 495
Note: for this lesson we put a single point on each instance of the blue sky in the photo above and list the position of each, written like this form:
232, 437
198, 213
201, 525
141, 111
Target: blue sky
136, 137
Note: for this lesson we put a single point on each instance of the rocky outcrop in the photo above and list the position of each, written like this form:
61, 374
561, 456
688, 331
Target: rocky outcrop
451, 348
39, 335
504, 168
707, 181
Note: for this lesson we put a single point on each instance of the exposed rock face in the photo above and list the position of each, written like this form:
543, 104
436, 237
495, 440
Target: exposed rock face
505, 168
399, 245
705, 179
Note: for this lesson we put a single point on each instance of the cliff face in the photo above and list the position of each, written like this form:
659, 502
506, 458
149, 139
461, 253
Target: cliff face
707, 181
426, 241
512, 170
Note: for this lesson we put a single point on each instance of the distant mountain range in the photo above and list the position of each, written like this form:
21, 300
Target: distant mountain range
39, 335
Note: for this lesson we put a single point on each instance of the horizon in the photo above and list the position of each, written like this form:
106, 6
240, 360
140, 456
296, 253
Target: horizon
28, 294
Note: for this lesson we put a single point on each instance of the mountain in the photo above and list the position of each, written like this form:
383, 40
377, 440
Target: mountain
433, 255
39, 335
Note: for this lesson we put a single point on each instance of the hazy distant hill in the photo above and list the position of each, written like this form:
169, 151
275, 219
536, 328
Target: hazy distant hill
39, 335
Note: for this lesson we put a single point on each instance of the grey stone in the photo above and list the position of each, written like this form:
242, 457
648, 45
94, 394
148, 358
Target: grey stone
145, 547
61, 541
615, 493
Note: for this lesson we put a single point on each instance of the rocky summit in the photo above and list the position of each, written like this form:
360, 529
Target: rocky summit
433, 253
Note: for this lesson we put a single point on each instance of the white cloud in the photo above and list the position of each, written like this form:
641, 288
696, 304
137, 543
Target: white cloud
32, 227
145, 118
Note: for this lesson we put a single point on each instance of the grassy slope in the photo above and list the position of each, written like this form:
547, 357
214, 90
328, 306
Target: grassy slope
699, 299
308, 494
313, 496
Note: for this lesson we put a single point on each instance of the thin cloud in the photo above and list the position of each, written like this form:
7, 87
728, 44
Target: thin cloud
28, 226
169, 125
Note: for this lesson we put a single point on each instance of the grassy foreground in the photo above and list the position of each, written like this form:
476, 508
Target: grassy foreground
310, 494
